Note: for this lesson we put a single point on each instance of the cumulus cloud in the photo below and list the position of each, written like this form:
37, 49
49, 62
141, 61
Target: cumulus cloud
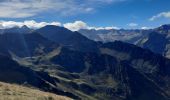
30, 24
132, 24
34, 24
29, 8
160, 15
75, 26
146, 28
10, 24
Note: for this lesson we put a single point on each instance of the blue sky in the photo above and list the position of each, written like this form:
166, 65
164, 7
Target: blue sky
90, 13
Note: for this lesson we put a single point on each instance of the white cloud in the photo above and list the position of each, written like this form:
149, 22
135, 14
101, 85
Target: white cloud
29, 8
160, 15
30, 24
145, 28
10, 24
77, 25
34, 24
132, 24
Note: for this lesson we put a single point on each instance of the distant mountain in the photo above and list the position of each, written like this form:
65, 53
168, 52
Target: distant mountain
68, 38
163, 29
157, 41
55, 33
130, 36
23, 30
25, 45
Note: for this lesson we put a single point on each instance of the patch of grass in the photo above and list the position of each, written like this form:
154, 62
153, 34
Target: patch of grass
16, 92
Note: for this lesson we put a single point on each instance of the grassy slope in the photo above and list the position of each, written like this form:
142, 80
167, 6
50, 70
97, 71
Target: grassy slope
15, 92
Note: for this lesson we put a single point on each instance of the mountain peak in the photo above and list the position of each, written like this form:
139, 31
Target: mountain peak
25, 27
23, 30
54, 27
54, 33
164, 27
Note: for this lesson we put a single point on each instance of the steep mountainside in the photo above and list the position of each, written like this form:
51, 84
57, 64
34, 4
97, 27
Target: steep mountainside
119, 71
25, 45
68, 38
120, 59
12, 72
158, 41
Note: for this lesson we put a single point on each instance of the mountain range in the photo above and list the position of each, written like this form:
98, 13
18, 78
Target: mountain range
156, 40
111, 35
24, 29
133, 65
